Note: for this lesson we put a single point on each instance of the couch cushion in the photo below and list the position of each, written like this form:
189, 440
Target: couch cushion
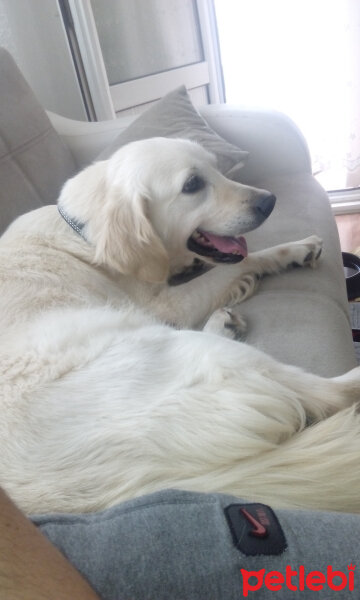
175, 116
34, 163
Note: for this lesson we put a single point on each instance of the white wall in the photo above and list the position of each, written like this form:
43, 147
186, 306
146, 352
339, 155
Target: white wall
33, 32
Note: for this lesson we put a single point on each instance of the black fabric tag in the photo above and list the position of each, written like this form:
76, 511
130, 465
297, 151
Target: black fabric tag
255, 529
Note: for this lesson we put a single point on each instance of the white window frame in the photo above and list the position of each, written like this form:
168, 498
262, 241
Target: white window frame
107, 100
345, 202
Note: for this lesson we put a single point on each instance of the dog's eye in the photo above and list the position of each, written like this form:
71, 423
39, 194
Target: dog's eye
193, 184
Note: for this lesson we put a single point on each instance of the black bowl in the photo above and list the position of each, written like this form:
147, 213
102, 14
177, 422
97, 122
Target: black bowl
351, 264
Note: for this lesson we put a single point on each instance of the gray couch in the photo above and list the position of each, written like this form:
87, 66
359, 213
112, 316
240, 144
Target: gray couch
300, 317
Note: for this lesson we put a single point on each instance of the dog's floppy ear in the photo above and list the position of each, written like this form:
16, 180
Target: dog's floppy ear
116, 224
126, 240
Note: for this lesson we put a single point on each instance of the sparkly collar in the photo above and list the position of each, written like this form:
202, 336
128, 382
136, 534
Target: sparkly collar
76, 225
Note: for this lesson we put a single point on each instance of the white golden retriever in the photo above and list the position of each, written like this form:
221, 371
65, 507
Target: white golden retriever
106, 392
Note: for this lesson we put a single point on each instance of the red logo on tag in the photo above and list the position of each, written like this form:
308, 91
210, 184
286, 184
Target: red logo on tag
259, 529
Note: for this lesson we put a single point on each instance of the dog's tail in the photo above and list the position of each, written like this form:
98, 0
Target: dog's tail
318, 468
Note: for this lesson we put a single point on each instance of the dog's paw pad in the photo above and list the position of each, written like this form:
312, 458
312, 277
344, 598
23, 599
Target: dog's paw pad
235, 324
309, 252
314, 253
226, 322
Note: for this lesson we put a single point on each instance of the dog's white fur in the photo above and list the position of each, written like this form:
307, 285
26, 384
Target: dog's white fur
106, 392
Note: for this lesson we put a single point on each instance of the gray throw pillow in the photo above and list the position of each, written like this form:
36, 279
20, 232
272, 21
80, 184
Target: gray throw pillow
175, 116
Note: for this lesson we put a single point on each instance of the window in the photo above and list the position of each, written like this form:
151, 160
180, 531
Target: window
301, 57
135, 52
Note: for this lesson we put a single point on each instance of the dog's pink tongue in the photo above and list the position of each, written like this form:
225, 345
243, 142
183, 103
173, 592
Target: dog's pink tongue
228, 245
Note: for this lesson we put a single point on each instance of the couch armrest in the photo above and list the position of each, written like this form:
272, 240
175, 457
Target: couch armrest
87, 139
275, 143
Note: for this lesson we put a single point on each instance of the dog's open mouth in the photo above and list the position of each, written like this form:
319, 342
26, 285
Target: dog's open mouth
220, 248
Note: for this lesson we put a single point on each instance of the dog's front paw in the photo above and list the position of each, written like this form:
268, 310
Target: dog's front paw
314, 246
307, 252
227, 323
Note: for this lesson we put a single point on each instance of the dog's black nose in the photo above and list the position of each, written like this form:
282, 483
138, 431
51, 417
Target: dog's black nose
265, 204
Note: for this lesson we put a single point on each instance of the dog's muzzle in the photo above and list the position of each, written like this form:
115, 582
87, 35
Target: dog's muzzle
227, 249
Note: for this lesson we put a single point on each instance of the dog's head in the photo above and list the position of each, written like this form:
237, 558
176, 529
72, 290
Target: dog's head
157, 204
